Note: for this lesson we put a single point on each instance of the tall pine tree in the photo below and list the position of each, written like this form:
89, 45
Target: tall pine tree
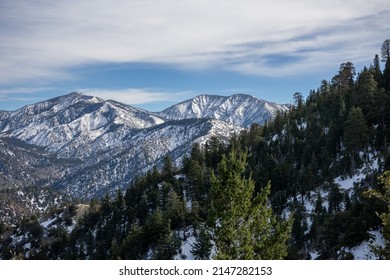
243, 225
355, 134
384, 252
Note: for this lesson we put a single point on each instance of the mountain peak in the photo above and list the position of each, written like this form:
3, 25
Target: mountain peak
238, 109
66, 123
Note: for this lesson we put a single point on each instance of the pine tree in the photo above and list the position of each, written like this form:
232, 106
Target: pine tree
355, 133
243, 226
132, 247
168, 244
367, 89
299, 226
201, 249
385, 50
175, 210
335, 198
376, 69
2, 228
343, 82
168, 170
196, 176
213, 151
385, 53
384, 252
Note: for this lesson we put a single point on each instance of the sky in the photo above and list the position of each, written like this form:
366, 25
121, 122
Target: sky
154, 53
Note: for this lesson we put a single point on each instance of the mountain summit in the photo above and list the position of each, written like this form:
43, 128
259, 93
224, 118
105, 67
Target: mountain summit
239, 109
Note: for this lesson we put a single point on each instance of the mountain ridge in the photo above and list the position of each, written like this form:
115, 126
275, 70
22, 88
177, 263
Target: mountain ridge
106, 143
238, 109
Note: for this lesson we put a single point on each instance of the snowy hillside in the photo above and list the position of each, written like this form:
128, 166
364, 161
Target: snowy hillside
96, 146
240, 109
117, 167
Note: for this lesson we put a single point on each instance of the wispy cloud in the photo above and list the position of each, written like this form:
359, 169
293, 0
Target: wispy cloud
136, 96
24, 90
24, 94
44, 40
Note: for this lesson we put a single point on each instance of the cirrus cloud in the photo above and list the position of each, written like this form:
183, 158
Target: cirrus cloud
45, 40
136, 96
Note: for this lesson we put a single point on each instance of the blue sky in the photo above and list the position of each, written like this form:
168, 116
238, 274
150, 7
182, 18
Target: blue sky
154, 53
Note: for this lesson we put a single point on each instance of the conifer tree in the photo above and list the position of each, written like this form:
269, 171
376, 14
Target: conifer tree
335, 198
175, 210
168, 244
168, 170
2, 228
385, 50
366, 91
376, 69
384, 252
243, 226
385, 53
132, 246
201, 249
355, 133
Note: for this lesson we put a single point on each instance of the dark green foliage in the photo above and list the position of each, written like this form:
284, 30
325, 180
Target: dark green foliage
355, 133
168, 169
385, 50
202, 247
242, 224
297, 248
367, 88
335, 199
168, 244
384, 197
2, 227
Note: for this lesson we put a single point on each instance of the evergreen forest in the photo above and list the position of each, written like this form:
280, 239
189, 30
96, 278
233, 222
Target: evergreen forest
274, 191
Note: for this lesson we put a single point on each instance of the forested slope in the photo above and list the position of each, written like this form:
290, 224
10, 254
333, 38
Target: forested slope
308, 170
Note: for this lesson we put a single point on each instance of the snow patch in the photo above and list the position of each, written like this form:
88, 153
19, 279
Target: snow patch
348, 183
364, 250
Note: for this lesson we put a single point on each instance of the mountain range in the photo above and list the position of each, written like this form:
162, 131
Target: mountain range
85, 146
239, 109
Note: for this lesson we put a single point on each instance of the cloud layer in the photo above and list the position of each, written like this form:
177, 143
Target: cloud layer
45, 40
136, 96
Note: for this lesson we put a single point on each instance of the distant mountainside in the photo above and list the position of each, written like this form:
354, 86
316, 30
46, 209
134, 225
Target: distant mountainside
87, 146
240, 109
22, 168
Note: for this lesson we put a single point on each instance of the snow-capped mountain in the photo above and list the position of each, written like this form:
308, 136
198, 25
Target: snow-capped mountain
75, 125
240, 109
94, 146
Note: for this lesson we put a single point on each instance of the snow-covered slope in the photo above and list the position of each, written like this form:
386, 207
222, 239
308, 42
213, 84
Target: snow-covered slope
95, 146
117, 167
75, 125
240, 109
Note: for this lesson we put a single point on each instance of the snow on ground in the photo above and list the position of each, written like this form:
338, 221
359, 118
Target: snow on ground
361, 174
47, 223
364, 250
187, 247
314, 255
70, 228
347, 183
